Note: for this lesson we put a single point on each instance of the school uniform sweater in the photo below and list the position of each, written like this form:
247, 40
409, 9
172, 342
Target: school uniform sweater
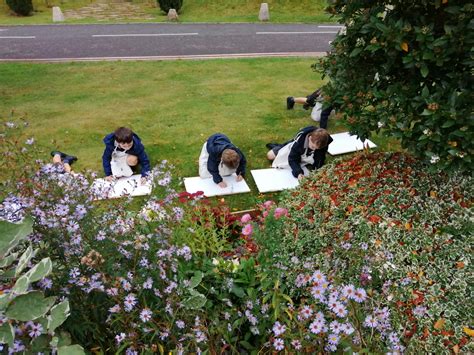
137, 149
216, 144
298, 149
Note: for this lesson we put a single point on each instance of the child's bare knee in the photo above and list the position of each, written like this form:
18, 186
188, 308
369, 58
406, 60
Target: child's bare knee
270, 155
132, 160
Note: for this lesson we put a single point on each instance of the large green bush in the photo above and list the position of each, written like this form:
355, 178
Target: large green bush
405, 68
166, 5
21, 7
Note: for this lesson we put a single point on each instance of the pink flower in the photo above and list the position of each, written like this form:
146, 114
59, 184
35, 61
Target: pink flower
280, 212
268, 204
265, 214
247, 230
246, 218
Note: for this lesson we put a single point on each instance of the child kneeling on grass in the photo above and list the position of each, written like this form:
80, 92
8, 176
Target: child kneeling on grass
124, 150
219, 157
307, 150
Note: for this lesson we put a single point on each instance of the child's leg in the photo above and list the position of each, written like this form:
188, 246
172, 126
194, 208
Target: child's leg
271, 155
300, 100
132, 160
57, 158
203, 158
67, 167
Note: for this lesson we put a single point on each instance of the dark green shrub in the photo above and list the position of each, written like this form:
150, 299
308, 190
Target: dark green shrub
21, 7
404, 67
166, 5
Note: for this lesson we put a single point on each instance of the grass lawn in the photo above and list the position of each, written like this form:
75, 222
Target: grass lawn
173, 106
281, 11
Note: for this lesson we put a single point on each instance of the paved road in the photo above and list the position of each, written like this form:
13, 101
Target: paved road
161, 41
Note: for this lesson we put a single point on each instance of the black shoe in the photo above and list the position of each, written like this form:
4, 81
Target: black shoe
290, 102
270, 146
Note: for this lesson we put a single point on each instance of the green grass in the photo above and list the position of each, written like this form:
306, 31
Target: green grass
173, 107
281, 11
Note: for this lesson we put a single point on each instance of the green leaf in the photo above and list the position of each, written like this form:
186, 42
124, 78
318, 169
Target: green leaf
196, 279
355, 51
8, 260
11, 234
29, 306
195, 302
64, 338
448, 123
21, 285
424, 71
59, 314
40, 270
40, 344
4, 300
7, 334
425, 93
238, 291
71, 350
24, 260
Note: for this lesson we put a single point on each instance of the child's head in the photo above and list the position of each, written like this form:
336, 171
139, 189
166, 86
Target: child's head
318, 139
230, 158
124, 137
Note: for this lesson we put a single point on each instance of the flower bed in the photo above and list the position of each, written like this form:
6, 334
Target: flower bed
382, 222
371, 254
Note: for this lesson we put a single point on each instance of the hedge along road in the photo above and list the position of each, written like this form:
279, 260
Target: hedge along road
162, 41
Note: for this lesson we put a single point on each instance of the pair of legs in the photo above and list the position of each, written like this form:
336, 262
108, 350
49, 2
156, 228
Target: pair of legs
64, 159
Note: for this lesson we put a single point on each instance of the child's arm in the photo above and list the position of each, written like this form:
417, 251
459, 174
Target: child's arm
213, 168
242, 165
144, 162
106, 158
294, 159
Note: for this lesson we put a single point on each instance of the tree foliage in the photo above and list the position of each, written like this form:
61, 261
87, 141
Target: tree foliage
405, 68
166, 5
21, 7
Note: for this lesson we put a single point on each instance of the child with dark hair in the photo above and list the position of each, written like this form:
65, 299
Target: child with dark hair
307, 150
312, 101
124, 150
219, 157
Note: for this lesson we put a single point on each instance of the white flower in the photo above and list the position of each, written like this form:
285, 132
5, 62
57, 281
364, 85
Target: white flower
434, 159
380, 124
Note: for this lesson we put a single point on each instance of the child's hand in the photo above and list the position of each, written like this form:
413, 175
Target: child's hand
143, 180
300, 177
222, 185
110, 178
239, 178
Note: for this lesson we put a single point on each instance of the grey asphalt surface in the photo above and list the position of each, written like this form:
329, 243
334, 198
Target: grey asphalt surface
161, 41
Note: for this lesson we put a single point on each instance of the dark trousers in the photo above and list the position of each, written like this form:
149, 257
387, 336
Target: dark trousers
323, 123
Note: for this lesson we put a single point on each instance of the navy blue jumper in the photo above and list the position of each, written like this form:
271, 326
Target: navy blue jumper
298, 149
216, 144
137, 149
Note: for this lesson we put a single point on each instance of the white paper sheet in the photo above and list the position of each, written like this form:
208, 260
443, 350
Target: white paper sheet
270, 180
345, 143
130, 186
195, 184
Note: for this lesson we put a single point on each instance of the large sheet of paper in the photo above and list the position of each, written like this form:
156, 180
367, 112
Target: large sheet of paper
345, 143
270, 180
130, 186
195, 184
